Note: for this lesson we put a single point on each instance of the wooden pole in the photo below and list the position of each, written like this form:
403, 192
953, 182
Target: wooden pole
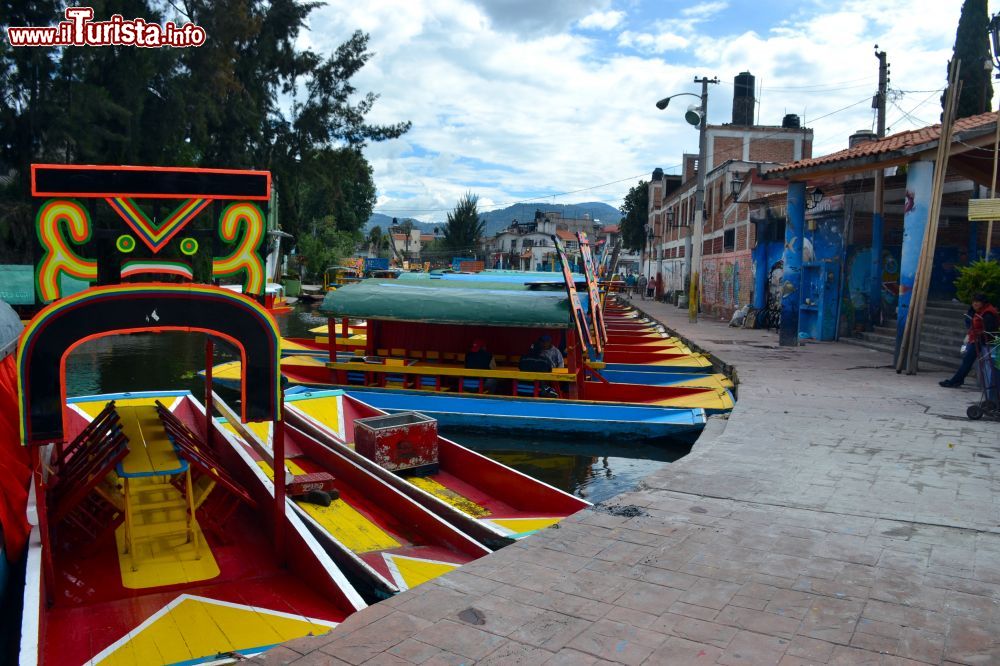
209, 359
993, 185
910, 344
41, 499
278, 447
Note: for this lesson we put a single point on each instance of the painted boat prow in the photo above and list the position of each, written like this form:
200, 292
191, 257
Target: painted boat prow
430, 530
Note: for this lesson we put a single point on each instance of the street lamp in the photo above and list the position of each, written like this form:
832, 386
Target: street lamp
736, 184
698, 117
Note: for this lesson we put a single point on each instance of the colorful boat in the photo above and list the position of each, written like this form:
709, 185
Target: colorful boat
274, 297
157, 530
385, 539
153, 540
485, 499
562, 418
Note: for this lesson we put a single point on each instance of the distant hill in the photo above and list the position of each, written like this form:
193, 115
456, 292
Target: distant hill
525, 212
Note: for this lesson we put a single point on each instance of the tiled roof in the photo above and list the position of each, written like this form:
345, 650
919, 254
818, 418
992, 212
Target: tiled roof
890, 144
566, 235
610, 229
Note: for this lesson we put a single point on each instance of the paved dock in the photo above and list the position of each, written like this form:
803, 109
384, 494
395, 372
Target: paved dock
844, 515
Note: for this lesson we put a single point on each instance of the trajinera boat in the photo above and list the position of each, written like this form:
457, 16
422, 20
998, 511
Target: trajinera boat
153, 540
385, 539
486, 499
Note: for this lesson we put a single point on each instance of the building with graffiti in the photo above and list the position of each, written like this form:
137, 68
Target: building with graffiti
737, 152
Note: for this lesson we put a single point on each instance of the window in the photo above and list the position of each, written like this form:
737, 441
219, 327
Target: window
729, 240
513, 243
527, 242
775, 230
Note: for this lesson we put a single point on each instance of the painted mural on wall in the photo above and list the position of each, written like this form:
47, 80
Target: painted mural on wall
727, 281
858, 282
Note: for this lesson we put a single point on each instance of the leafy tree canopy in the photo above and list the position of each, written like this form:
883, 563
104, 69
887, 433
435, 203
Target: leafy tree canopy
248, 98
635, 214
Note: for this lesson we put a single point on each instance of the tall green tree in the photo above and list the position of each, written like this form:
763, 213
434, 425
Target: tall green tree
635, 215
972, 47
464, 229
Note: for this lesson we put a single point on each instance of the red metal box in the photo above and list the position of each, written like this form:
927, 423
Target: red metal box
407, 441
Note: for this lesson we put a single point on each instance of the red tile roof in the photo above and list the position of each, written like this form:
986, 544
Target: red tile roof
892, 143
566, 235
610, 229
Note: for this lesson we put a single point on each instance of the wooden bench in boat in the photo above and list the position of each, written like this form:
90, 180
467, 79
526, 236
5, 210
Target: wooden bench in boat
406, 369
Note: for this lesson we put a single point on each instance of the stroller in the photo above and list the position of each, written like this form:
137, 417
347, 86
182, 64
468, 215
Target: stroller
988, 368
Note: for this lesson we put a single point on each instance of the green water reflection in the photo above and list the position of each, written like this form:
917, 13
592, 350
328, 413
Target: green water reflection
595, 469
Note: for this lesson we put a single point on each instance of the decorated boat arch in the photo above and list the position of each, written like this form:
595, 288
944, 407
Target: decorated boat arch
145, 517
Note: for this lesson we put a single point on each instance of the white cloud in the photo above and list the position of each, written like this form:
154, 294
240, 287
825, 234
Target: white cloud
507, 109
705, 9
601, 20
653, 43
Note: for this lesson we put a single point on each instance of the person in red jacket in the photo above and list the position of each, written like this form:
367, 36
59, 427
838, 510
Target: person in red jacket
981, 318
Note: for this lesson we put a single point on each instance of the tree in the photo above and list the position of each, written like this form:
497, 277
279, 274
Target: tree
464, 229
377, 241
635, 215
972, 47
327, 247
224, 104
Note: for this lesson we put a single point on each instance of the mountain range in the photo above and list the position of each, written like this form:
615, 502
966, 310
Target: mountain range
523, 212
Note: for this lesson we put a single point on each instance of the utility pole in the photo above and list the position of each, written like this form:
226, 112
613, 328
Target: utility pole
875, 290
694, 249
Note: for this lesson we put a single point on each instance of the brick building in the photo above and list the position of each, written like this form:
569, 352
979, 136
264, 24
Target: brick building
735, 152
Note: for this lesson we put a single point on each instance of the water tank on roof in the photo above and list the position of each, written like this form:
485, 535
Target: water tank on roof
791, 121
861, 136
743, 99
657, 173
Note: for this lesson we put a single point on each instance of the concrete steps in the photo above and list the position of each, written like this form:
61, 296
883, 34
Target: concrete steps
941, 335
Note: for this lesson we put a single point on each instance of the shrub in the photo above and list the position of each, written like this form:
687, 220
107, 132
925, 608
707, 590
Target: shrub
979, 276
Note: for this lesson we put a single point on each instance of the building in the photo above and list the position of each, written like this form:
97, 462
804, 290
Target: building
736, 153
409, 246
528, 245
609, 240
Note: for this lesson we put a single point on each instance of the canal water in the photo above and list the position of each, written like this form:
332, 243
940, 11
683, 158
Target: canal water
595, 469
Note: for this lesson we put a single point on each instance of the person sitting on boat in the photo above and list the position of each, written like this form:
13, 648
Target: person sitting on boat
535, 360
550, 351
480, 358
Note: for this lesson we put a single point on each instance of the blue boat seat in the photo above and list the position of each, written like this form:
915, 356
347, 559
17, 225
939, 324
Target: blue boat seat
474, 385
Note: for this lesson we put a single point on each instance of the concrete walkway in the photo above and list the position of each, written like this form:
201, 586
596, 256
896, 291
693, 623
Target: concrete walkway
845, 515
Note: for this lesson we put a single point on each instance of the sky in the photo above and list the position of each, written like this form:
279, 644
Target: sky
553, 101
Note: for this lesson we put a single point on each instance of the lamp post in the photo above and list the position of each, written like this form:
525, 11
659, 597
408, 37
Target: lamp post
649, 246
698, 117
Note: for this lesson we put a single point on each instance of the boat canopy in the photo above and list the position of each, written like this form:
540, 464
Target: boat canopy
393, 300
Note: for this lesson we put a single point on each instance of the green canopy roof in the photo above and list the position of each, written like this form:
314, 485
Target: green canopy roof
396, 301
